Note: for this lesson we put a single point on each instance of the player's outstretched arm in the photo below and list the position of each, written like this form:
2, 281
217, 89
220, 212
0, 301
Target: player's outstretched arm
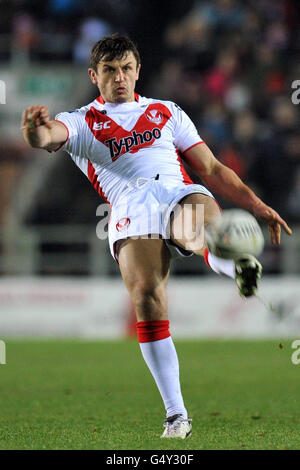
41, 132
225, 182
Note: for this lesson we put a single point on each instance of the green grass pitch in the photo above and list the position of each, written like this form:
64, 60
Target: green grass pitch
72, 394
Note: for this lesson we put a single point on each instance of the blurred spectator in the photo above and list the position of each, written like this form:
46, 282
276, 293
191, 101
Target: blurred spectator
222, 14
219, 78
278, 155
214, 125
25, 35
284, 114
65, 7
246, 129
90, 31
230, 157
166, 84
293, 203
277, 35
237, 97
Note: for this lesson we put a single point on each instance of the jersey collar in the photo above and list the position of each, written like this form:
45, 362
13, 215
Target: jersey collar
101, 100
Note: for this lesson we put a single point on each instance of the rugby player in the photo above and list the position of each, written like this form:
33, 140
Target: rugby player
129, 147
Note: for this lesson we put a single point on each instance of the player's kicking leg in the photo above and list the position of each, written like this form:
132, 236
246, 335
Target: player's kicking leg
145, 266
246, 271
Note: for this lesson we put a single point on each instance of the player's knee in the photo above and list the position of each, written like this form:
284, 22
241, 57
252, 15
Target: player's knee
212, 211
149, 301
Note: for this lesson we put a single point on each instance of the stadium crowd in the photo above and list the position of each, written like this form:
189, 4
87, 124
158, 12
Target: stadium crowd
230, 64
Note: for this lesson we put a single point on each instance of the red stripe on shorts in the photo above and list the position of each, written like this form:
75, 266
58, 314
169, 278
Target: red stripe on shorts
148, 331
206, 253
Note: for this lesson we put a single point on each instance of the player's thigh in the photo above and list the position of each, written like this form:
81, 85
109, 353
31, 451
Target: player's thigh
189, 219
145, 268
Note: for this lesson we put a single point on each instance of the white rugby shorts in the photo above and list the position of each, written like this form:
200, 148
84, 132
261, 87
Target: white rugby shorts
146, 209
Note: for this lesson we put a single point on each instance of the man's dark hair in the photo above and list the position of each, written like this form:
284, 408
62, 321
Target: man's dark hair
112, 47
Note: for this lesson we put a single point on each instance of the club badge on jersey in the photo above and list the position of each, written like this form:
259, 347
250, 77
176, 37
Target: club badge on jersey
123, 224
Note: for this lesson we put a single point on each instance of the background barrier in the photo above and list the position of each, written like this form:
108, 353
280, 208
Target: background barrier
101, 308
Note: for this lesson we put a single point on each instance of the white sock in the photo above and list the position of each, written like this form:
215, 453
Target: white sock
221, 266
161, 358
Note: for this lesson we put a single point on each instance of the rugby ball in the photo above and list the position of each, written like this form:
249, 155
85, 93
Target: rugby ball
235, 234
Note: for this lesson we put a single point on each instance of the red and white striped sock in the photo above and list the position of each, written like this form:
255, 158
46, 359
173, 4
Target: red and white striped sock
160, 355
220, 265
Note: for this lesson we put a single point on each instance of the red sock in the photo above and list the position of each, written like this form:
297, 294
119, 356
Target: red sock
148, 331
161, 358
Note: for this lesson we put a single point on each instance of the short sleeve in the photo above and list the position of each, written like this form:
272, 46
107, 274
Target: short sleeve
73, 121
185, 132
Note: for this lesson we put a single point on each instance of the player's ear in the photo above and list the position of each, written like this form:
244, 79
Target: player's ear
93, 76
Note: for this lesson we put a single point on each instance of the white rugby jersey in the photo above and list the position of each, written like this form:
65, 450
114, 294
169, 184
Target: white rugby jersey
115, 143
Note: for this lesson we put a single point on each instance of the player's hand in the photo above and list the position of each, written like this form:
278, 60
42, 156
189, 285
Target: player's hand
35, 116
270, 217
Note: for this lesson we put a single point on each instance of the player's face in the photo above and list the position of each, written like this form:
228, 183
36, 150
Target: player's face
116, 79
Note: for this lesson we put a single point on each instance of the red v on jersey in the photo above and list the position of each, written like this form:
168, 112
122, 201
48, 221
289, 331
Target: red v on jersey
119, 141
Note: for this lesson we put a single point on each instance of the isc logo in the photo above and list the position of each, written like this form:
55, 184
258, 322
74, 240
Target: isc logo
98, 126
